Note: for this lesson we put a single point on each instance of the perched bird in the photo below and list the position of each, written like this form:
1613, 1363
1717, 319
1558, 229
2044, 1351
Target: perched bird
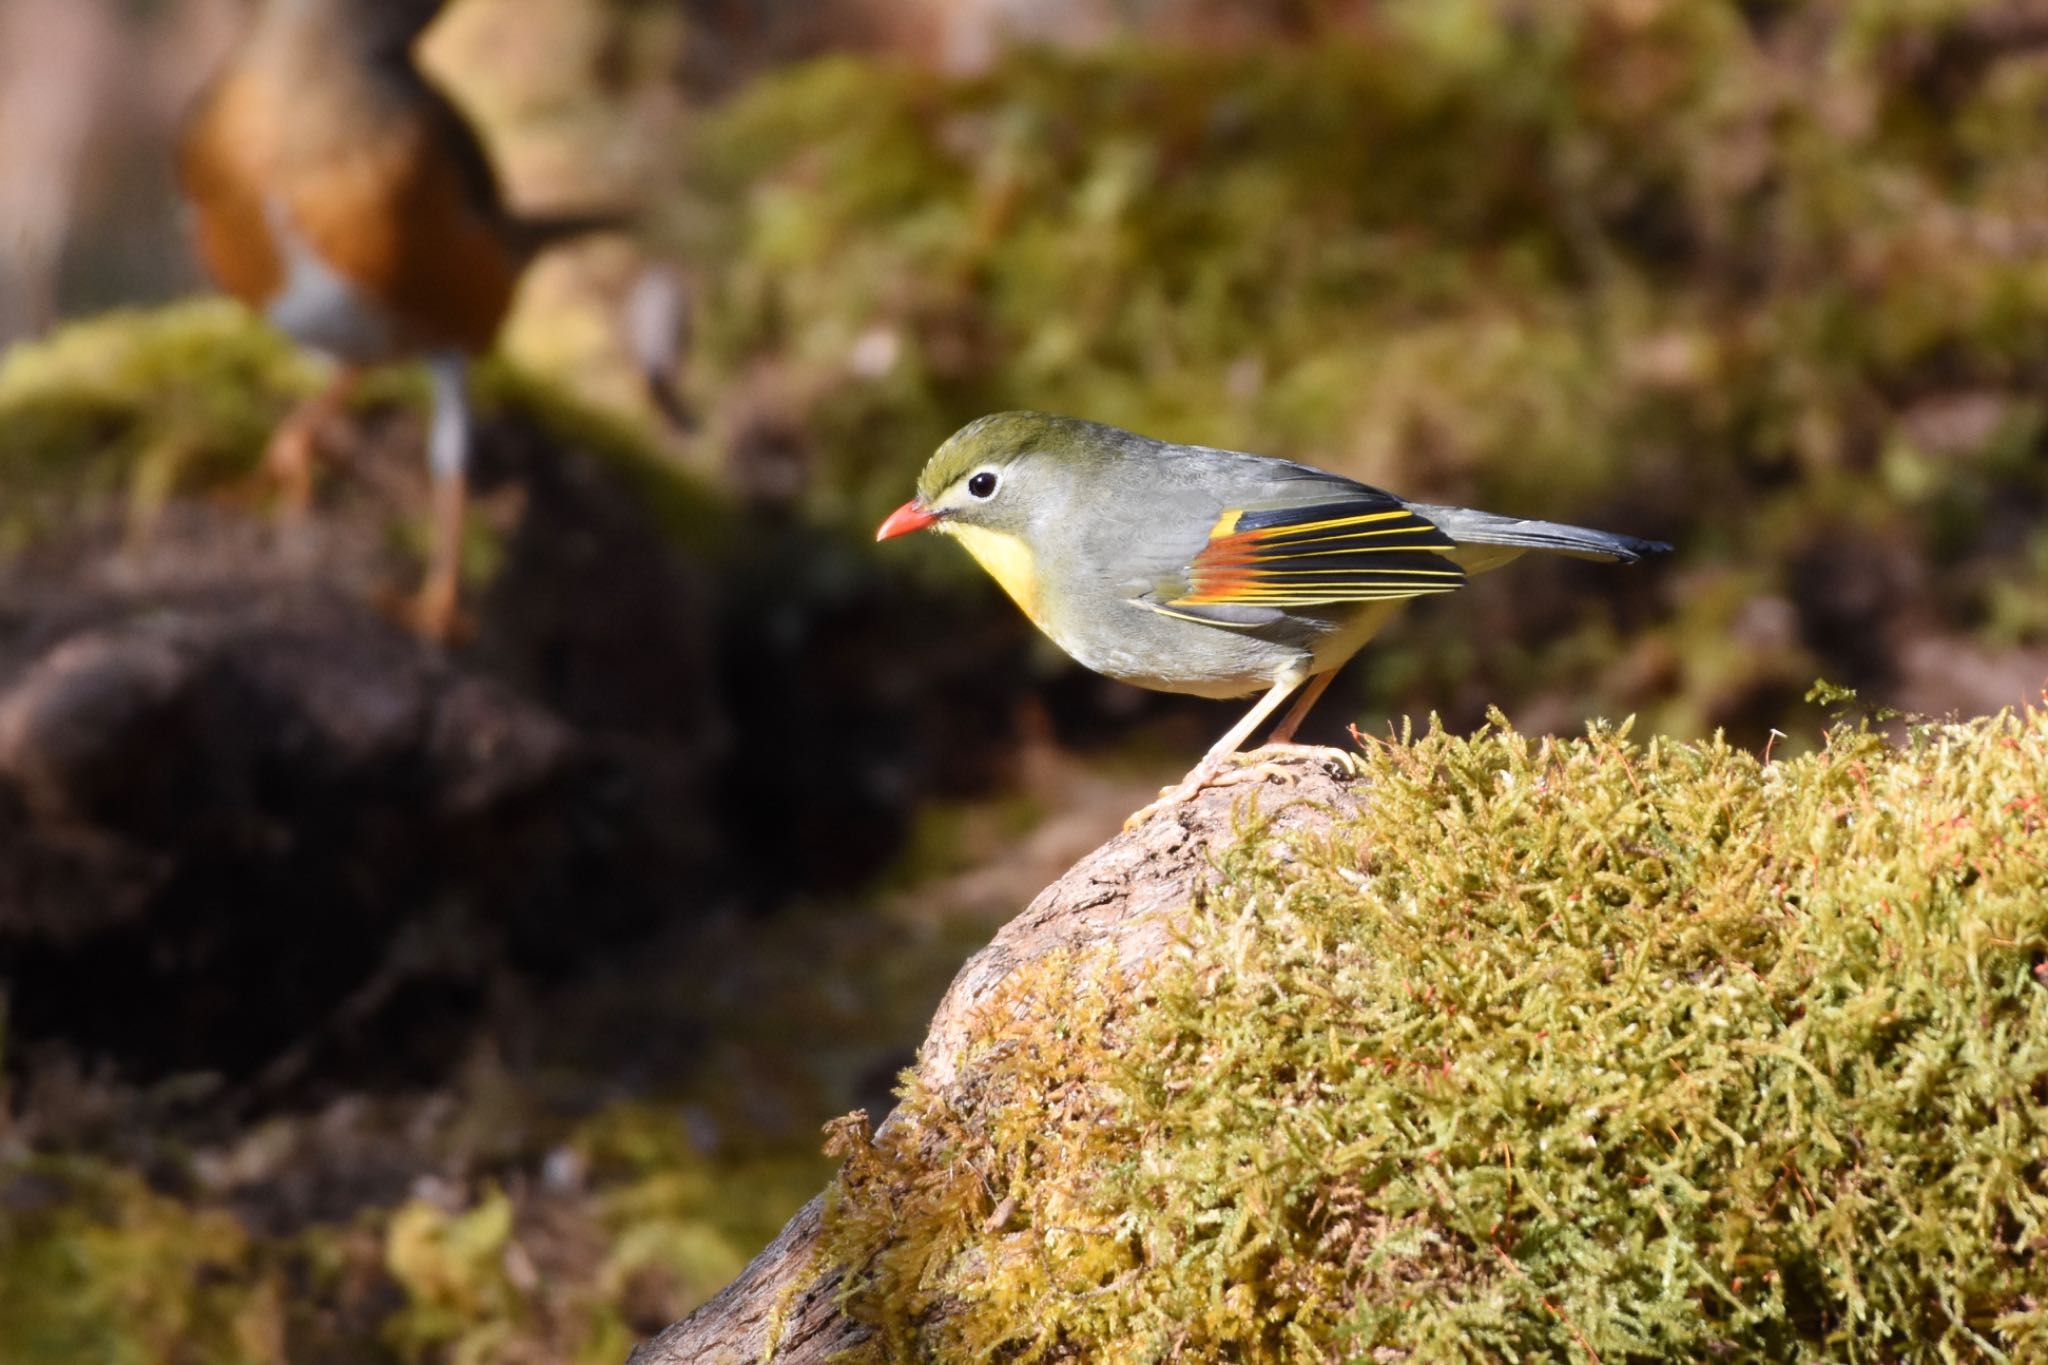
341, 195
1186, 569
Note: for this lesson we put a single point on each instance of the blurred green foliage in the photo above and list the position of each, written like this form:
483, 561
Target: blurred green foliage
1759, 279
1556, 246
127, 410
97, 1264
135, 407
1558, 1049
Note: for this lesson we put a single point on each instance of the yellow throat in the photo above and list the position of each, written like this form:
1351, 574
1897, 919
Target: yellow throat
1007, 559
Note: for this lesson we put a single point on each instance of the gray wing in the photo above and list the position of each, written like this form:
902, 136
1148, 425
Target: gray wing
1237, 540
1468, 526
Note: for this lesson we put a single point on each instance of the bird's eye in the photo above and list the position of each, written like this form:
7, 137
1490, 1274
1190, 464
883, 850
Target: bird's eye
982, 485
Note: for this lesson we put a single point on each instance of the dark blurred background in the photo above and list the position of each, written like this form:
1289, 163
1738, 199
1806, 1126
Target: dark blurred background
367, 999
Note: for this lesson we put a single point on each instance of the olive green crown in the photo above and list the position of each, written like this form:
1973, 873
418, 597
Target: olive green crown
1002, 437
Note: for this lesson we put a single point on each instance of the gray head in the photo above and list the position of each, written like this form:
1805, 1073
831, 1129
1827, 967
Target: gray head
1009, 471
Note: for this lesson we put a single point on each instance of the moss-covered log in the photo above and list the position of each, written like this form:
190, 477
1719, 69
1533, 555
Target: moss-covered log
1484, 1045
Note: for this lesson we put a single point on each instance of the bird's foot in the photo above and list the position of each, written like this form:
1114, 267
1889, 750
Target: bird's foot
1280, 763
1168, 798
1210, 772
292, 457
288, 468
1283, 762
433, 613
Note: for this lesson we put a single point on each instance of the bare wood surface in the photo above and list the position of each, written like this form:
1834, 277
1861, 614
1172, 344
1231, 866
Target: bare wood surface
1126, 894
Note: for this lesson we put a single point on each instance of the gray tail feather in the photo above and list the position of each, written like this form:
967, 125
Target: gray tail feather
1470, 527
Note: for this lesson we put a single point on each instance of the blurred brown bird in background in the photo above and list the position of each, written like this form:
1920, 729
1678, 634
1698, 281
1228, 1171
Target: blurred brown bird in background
340, 194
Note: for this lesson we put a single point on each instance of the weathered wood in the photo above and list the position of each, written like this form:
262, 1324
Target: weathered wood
1125, 894
735, 1326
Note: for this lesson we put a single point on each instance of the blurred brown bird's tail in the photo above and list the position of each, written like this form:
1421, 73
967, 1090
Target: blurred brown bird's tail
533, 233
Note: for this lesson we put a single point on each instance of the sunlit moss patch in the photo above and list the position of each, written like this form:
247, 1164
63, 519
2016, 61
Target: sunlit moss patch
1642, 1050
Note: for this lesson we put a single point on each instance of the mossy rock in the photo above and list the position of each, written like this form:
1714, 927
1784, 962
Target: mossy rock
1593, 1048
134, 407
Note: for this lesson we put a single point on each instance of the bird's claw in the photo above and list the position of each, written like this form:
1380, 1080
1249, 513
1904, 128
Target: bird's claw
1283, 762
433, 613
1204, 775
288, 467
1280, 763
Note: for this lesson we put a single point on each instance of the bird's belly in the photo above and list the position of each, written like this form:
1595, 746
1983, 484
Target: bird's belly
1170, 654
319, 307
1139, 646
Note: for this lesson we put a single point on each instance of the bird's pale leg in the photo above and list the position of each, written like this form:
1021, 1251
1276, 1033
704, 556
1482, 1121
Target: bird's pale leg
436, 612
1281, 741
1283, 733
657, 317
1204, 773
295, 446
1234, 739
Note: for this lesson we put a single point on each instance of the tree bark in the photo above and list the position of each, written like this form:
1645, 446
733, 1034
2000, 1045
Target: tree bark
1126, 894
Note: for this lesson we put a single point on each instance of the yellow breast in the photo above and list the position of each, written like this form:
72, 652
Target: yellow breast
1007, 559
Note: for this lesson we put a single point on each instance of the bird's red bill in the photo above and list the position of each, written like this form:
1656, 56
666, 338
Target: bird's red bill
911, 516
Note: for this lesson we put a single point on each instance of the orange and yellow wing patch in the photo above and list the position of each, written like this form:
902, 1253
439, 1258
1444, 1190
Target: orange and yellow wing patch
1354, 551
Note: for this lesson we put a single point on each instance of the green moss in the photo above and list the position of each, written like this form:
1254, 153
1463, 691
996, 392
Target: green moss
453, 1268
96, 1266
136, 407
1560, 1049
133, 408
698, 1216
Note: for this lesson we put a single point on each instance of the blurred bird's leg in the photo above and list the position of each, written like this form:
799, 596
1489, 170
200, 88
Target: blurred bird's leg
295, 446
1205, 773
657, 321
436, 611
